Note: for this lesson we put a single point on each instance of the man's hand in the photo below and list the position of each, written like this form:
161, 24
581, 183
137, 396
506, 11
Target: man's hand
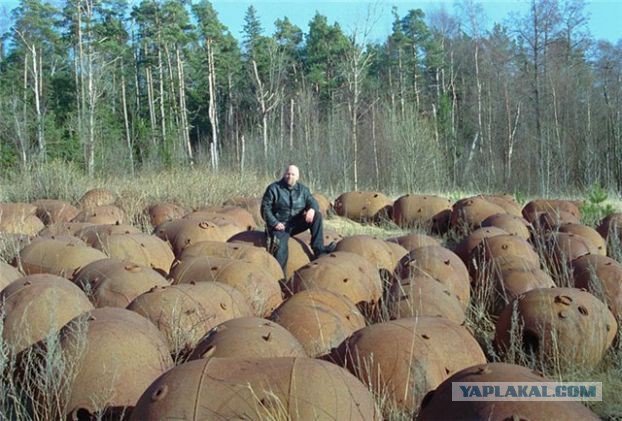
279, 227
309, 215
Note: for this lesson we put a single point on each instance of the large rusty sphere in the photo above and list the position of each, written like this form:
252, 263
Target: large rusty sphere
251, 204
363, 206
419, 210
561, 248
101, 215
93, 234
261, 289
117, 355
505, 285
36, 305
142, 249
14, 221
284, 388
469, 213
506, 201
299, 253
532, 210
57, 257
63, 229
237, 251
422, 295
441, 405
371, 248
95, 198
552, 220
8, 274
344, 273
235, 214
319, 319
330, 236
323, 203
115, 283
248, 337
610, 224
471, 241
406, 358
589, 234
414, 241
601, 276
185, 313
441, 264
162, 212
182, 233
51, 211
567, 324
512, 224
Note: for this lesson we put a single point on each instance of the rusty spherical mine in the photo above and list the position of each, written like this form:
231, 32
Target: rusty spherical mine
512, 224
101, 215
57, 257
93, 234
413, 210
610, 224
440, 404
506, 201
248, 337
159, 213
261, 288
182, 233
299, 253
115, 283
471, 241
469, 213
284, 388
441, 264
422, 295
532, 210
8, 274
19, 218
95, 198
414, 241
319, 319
601, 276
115, 354
51, 211
324, 204
565, 324
404, 359
371, 248
363, 206
589, 234
251, 204
344, 273
36, 305
237, 251
142, 249
504, 286
185, 313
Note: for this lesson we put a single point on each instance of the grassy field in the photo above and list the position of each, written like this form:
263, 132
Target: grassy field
196, 187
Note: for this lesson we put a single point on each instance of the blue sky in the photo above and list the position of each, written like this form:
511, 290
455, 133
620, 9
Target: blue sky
605, 15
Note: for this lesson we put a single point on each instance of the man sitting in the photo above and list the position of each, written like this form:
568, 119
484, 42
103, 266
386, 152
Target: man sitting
289, 209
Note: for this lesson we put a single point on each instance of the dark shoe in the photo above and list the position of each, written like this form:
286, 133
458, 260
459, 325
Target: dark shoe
325, 250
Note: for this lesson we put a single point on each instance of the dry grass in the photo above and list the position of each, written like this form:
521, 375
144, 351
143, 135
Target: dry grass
195, 187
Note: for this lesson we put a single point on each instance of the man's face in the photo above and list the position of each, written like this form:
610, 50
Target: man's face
291, 175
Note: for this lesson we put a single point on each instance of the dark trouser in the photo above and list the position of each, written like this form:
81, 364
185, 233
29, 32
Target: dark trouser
295, 226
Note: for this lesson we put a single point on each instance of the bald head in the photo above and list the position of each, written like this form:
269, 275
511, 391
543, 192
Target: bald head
291, 175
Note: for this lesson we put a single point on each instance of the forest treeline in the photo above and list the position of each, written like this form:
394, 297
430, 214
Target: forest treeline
532, 105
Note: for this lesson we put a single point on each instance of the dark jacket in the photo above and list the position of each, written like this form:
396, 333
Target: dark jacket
281, 203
